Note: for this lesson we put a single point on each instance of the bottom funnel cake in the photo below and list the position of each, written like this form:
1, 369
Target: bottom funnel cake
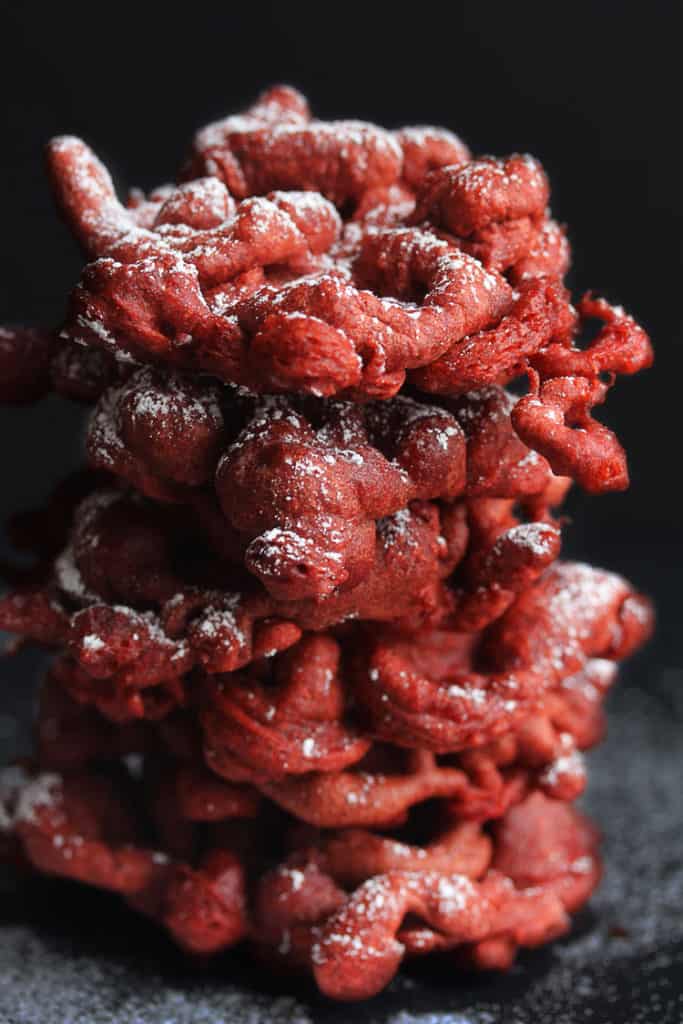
281, 807
347, 905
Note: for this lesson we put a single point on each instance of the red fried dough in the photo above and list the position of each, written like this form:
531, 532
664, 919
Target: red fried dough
215, 708
33, 362
498, 464
301, 501
77, 827
305, 889
318, 333
32, 613
83, 374
264, 732
466, 888
353, 855
426, 148
540, 314
80, 827
495, 208
293, 727
417, 548
504, 558
548, 255
467, 198
555, 419
69, 735
302, 485
364, 799
620, 346
163, 434
308, 500
155, 291
572, 613
276, 141
539, 750
131, 662
140, 624
354, 944
542, 750
198, 795
199, 221
190, 807
263, 292
342, 160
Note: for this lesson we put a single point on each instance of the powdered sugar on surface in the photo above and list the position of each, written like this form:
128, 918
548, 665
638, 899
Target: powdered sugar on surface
73, 987
22, 797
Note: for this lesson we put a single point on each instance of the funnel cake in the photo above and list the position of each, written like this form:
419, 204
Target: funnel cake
134, 618
354, 943
400, 254
321, 683
303, 484
488, 896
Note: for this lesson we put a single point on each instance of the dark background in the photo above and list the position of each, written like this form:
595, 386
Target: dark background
592, 89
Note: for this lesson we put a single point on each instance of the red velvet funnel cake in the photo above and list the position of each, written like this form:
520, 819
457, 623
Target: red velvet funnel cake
321, 680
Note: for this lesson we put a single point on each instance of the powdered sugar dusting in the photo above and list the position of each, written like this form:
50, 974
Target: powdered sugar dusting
536, 537
22, 796
219, 622
69, 579
568, 764
396, 529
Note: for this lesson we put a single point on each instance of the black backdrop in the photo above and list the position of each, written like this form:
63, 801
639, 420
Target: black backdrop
591, 88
